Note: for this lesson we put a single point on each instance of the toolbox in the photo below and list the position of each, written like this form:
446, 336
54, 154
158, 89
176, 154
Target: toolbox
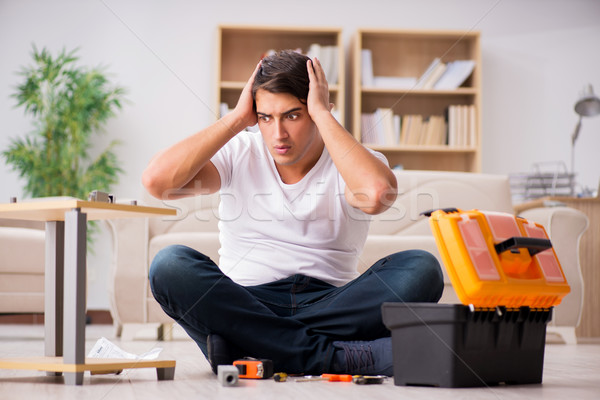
507, 276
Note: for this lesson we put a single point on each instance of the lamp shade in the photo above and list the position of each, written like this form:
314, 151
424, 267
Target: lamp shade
588, 104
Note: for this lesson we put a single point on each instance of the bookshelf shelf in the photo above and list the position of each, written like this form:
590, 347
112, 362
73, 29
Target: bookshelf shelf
235, 85
419, 92
239, 85
407, 54
240, 47
424, 149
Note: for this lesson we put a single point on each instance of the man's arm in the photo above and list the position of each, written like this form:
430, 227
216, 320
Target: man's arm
370, 185
184, 169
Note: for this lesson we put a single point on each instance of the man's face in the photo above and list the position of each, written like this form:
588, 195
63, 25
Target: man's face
287, 129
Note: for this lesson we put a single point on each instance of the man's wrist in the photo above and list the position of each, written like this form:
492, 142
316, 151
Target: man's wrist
234, 122
322, 116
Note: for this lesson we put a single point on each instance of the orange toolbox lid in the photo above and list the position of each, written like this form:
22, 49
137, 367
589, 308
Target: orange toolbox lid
497, 259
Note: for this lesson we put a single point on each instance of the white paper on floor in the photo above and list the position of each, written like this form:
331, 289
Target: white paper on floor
104, 348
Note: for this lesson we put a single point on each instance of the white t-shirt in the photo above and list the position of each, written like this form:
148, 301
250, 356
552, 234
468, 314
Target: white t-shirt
270, 230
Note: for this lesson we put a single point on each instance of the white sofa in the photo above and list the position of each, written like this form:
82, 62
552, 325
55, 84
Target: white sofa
22, 253
136, 241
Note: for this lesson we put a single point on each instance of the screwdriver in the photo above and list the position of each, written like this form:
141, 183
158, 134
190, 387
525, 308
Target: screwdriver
327, 377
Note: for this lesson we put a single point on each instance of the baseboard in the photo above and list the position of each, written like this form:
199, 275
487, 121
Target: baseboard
99, 317
24, 319
96, 317
588, 340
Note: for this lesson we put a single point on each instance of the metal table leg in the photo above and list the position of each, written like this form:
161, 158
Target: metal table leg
74, 292
53, 286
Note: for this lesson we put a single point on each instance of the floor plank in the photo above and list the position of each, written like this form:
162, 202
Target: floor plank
570, 371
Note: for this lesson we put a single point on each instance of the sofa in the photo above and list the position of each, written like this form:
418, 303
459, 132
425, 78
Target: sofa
22, 251
136, 241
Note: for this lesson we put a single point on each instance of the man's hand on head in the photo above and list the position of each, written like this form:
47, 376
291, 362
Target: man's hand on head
318, 89
244, 108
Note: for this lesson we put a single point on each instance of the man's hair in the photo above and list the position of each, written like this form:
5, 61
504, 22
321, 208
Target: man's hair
283, 72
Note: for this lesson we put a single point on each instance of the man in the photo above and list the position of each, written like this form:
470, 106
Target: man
294, 214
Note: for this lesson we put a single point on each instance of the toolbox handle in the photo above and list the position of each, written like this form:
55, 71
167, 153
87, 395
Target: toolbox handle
446, 210
534, 245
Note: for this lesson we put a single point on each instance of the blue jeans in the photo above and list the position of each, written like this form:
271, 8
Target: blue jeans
293, 321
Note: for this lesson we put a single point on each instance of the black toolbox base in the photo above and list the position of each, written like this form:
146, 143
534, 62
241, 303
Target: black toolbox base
451, 345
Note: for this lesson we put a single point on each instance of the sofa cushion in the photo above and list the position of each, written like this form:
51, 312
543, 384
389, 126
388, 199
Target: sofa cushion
24, 248
420, 191
21, 293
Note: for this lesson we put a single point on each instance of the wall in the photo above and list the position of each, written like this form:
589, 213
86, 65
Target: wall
537, 55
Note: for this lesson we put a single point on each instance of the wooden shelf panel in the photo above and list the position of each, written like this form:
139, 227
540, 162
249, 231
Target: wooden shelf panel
97, 365
423, 149
433, 160
239, 85
419, 92
419, 33
242, 29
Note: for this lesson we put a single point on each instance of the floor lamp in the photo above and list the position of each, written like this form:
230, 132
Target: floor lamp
588, 105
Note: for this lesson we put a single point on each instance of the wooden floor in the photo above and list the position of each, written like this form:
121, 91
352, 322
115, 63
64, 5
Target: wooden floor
570, 372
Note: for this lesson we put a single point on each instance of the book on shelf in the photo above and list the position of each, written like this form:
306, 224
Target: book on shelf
436, 74
427, 74
384, 122
419, 130
367, 135
457, 72
381, 128
422, 134
329, 56
412, 132
445, 76
457, 128
472, 126
435, 134
462, 126
394, 82
406, 125
366, 56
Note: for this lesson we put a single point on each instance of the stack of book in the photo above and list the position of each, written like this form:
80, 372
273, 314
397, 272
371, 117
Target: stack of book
462, 126
418, 130
384, 128
329, 57
381, 128
457, 128
445, 76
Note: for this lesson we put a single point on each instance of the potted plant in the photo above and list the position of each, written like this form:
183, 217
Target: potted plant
69, 104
